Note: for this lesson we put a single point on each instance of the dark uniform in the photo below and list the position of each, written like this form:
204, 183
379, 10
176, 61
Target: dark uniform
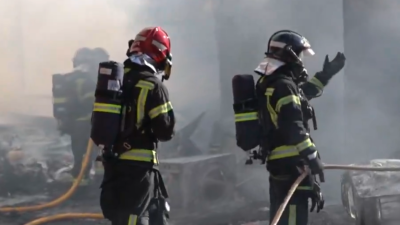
284, 114
81, 98
132, 191
80, 85
132, 181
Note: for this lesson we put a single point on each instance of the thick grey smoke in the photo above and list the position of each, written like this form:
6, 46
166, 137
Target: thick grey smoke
244, 31
39, 38
214, 40
217, 38
372, 78
194, 84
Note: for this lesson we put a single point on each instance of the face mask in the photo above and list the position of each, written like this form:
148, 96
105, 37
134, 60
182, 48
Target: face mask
300, 74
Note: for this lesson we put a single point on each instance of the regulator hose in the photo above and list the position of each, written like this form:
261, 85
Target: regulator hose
294, 186
62, 198
275, 220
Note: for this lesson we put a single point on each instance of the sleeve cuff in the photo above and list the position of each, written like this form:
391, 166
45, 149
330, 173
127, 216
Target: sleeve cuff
307, 149
320, 80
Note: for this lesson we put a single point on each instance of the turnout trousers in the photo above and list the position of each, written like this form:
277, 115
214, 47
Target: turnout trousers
128, 196
296, 212
80, 134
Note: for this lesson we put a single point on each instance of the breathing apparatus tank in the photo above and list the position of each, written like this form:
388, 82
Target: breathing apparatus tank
107, 110
245, 106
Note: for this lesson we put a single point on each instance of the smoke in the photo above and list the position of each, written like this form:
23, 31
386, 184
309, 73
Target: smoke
194, 84
39, 38
213, 41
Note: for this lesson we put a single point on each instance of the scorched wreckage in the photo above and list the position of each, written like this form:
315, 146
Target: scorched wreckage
371, 198
202, 186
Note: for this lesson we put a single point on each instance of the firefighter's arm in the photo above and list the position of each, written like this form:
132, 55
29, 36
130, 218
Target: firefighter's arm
285, 101
314, 87
161, 113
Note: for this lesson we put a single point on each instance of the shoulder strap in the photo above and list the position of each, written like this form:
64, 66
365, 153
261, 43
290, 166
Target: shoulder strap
130, 103
128, 100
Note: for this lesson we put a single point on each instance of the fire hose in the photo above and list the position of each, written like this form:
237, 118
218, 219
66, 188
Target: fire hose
62, 198
59, 200
294, 186
86, 159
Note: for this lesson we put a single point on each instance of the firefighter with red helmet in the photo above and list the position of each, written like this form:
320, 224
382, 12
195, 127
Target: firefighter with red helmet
132, 191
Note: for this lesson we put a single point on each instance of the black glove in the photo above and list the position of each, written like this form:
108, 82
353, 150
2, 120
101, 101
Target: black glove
315, 166
108, 156
130, 42
331, 68
159, 211
317, 199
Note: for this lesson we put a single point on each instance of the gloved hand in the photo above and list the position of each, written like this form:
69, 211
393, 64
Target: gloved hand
331, 68
315, 165
108, 156
159, 211
317, 199
130, 42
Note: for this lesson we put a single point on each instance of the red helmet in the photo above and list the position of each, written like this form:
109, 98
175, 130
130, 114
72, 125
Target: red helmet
154, 42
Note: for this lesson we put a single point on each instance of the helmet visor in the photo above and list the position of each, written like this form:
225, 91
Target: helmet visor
308, 52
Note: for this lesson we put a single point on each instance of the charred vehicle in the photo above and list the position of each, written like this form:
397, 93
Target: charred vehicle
372, 198
29, 154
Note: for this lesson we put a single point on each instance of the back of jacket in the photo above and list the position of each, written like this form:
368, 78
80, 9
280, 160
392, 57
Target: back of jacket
149, 116
82, 86
285, 121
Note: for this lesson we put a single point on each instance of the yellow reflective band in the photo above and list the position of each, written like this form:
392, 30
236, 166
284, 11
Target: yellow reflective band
107, 108
269, 91
141, 106
281, 177
242, 117
145, 84
141, 103
59, 100
304, 188
272, 113
286, 100
132, 220
284, 151
126, 70
304, 145
317, 83
292, 215
87, 117
142, 155
161, 109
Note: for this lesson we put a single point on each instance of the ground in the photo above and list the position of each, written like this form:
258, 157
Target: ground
331, 215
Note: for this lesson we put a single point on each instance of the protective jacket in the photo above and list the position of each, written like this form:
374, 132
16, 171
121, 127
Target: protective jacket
149, 116
284, 112
81, 94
